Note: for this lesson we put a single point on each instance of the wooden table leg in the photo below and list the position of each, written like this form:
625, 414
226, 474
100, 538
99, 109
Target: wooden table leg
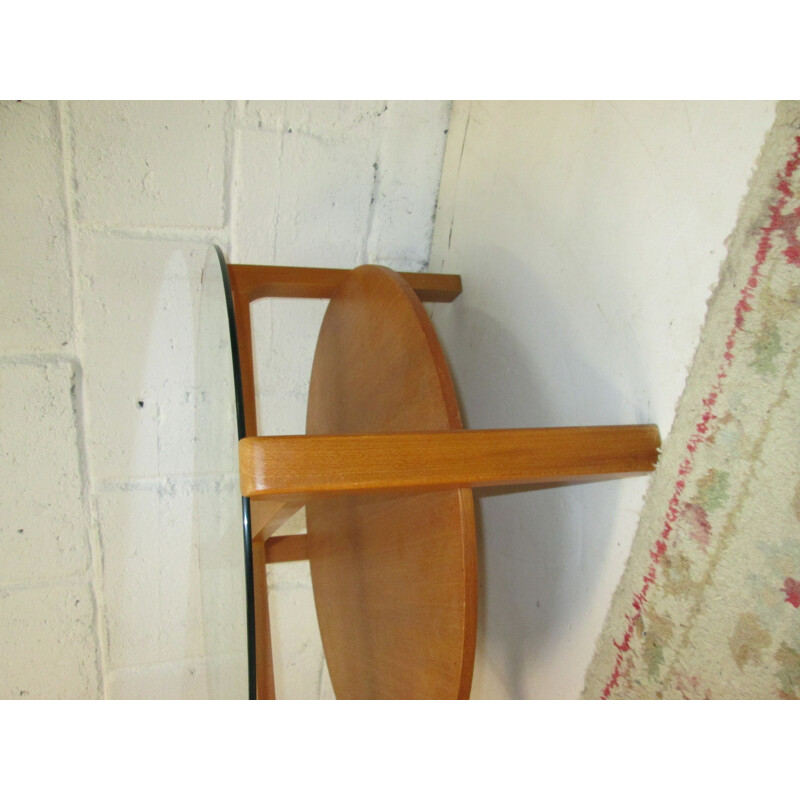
265, 675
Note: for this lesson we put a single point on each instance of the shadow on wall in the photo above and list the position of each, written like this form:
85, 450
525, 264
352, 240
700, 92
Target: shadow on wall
517, 362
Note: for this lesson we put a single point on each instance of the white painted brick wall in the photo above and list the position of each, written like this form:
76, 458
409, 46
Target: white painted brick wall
41, 518
149, 164
48, 641
36, 295
107, 209
48, 648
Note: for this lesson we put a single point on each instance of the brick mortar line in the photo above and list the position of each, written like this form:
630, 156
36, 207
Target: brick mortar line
232, 176
83, 576
38, 359
279, 185
81, 411
199, 660
153, 233
150, 482
229, 157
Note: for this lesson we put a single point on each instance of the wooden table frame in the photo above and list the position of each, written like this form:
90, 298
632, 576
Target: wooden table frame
279, 473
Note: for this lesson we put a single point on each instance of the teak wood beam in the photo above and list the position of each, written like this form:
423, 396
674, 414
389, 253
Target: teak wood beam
254, 282
302, 466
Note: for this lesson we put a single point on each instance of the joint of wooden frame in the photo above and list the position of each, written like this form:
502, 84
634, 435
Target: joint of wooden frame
252, 282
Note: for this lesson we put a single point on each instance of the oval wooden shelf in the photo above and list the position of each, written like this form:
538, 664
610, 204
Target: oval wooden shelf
394, 575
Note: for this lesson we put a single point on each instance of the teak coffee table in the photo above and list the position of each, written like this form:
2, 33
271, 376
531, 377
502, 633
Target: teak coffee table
385, 472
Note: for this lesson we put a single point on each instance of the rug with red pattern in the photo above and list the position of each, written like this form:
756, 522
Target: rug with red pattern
709, 604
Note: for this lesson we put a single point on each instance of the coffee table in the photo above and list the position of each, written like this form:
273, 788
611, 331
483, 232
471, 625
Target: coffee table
385, 472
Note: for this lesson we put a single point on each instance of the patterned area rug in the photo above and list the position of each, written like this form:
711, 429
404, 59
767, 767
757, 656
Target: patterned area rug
709, 604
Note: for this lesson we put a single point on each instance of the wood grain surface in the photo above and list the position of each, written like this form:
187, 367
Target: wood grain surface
394, 575
299, 466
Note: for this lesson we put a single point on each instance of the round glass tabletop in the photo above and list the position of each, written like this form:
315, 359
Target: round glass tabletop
222, 516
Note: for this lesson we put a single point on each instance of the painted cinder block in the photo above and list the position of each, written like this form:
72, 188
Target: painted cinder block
332, 120
316, 210
325, 195
149, 164
304, 181
137, 299
36, 286
261, 115
342, 182
413, 137
151, 580
48, 644
255, 197
43, 519
184, 680
325, 119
